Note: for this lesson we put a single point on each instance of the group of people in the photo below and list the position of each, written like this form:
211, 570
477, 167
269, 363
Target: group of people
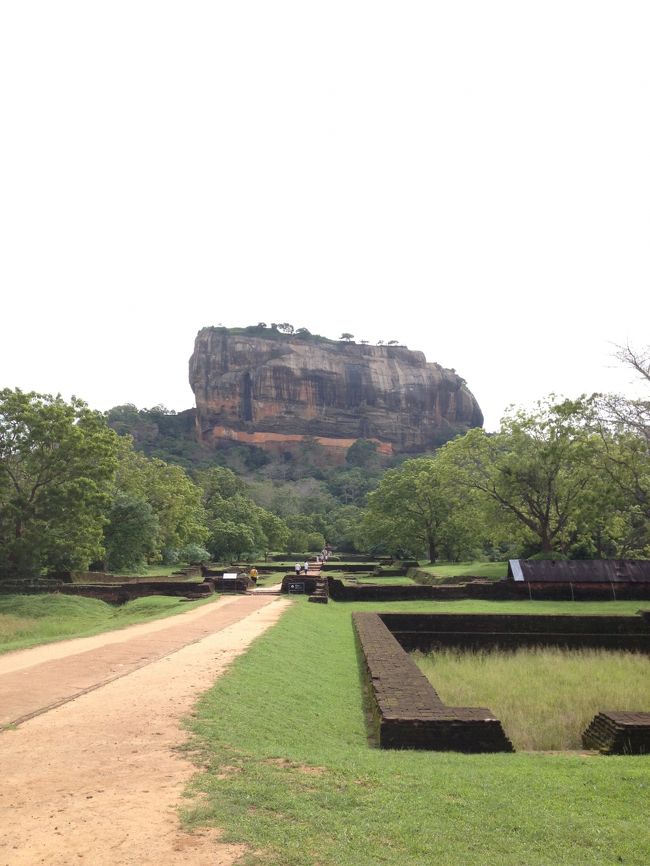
303, 567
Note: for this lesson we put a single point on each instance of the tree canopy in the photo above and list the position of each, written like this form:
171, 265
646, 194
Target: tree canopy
411, 509
536, 471
57, 463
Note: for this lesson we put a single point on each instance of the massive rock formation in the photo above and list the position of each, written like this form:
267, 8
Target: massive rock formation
260, 387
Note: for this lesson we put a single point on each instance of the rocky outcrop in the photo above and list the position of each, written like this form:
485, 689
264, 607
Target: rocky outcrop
260, 387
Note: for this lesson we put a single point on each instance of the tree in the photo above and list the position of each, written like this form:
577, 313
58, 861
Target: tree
57, 463
410, 509
341, 526
230, 539
236, 523
275, 530
131, 535
621, 413
362, 453
286, 328
350, 486
218, 483
537, 471
346, 337
174, 498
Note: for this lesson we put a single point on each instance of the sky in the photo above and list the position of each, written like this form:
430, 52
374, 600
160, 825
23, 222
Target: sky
469, 178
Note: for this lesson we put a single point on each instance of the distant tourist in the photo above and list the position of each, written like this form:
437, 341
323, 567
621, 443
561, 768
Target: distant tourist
253, 574
298, 568
306, 566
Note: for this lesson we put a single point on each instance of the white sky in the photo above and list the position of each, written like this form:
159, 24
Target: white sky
470, 178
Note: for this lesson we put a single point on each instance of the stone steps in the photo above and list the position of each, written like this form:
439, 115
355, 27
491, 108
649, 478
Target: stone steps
321, 594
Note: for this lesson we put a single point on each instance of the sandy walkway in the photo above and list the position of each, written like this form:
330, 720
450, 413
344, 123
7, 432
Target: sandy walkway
97, 780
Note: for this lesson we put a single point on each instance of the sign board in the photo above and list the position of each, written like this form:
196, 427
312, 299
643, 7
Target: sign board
231, 575
296, 586
517, 573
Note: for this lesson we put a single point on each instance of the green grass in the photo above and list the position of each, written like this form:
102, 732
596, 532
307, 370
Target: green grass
544, 697
271, 579
27, 620
494, 570
287, 769
386, 581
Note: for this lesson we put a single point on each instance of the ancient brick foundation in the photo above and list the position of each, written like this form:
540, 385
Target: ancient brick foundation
619, 733
291, 583
407, 712
501, 590
430, 631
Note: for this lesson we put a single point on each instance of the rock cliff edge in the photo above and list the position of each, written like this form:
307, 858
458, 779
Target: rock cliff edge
271, 390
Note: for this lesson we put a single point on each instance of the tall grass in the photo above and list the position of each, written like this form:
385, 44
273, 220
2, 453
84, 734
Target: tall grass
544, 696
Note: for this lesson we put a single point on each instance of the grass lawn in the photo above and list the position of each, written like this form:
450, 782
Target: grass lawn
287, 769
495, 570
27, 620
386, 581
271, 579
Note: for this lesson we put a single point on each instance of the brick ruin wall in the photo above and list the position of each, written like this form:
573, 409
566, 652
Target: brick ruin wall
502, 590
430, 631
407, 712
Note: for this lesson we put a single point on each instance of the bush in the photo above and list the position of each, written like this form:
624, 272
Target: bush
193, 553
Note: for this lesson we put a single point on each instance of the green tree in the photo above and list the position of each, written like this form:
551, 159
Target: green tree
537, 471
341, 526
351, 486
363, 453
275, 530
237, 524
57, 462
174, 498
228, 539
410, 509
131, 536
219, 483
625, 432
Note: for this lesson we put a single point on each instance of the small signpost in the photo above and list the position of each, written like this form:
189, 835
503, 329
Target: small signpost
296, 586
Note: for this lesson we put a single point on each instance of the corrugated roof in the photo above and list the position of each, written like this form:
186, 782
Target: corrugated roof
579, 570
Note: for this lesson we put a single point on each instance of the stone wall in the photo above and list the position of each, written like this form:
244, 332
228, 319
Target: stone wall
408, 713
406, 710
429, 631
500, 590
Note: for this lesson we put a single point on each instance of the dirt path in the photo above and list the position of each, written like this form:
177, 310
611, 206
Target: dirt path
98, 779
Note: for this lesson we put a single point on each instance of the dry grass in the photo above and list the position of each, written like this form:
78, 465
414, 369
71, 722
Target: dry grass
545, 697
12, 626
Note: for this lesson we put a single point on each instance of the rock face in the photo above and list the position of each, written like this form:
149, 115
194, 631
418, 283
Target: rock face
260, 387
